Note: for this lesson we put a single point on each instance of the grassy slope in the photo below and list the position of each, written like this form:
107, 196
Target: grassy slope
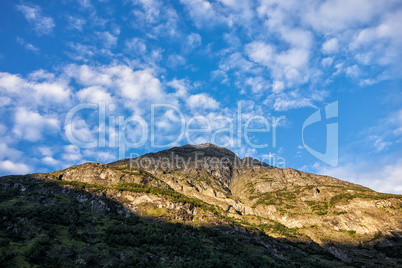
41, 225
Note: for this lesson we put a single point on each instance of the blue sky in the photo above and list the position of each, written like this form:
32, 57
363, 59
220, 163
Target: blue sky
199, 61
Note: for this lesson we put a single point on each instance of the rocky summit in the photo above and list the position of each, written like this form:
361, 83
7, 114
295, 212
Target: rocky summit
195, 205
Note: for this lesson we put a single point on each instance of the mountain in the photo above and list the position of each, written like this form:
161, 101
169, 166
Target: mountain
195, 205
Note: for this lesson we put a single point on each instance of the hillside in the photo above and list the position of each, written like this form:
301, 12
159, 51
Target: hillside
195, 206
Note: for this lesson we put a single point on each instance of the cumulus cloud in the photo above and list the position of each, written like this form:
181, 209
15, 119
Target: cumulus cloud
330, 46
290, 65
383, 178
136, 46
72, 154
193, 41
203, 13
10, 167
206, 14
337, 15
108, 40
42, 25
257, 84
260, 52
7, 152
32, 91
137, 85
380, 44
50, 161
133, 85
175, 60
180, 86
94, 94
75, 23
30, 125
202, 101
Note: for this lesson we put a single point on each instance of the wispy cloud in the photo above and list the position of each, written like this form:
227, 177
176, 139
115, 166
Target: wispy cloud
33, 14
27, 45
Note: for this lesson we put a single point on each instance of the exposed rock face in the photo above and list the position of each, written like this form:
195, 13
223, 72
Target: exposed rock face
322, 208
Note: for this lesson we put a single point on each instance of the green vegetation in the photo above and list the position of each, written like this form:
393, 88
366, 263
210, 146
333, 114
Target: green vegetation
276, 198
350, 196
81, 185
45, 226
279, 228
169, 193
266, 179
134, 171
319, 208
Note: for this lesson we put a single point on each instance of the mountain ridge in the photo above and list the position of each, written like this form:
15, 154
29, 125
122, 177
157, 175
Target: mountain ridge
212, 190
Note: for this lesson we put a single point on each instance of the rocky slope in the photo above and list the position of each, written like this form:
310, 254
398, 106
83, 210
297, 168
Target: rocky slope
207, 185
322, 208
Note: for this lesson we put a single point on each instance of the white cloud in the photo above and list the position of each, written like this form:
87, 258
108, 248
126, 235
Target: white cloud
379, 177
26, 45
108, 40
81, 52
4, 101
204, 13
290, 66
379, 143
40, 89
85, 3
330, 46
81, 130
193, 41
33, 14
45, 150
30, 125
49, 91
151, 11
223, 12
277, 86
41, 75
370, 32
260, 52
338, 15
88, 76
202, 101
136, 46
136, 89
10, 167
11, 83
50, 161
94, 94
75, 23
327, 61
284, 102
72, 154
180, 86
352, 71
387, 133
297, 37
9, 153
236, 61
380, 43
100, 156
137, 85
257, 84
155, 17
175, 60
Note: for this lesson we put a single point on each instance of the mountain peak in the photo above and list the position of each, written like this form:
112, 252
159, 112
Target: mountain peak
199, 160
